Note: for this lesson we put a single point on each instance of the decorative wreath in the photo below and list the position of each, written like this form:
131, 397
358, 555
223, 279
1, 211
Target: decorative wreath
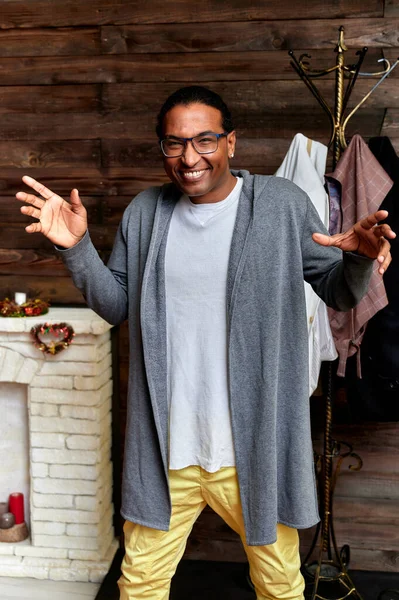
55, 329
30, 308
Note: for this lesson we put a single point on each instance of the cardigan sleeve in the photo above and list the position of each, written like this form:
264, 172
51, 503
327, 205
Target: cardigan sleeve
340, 278
103, 287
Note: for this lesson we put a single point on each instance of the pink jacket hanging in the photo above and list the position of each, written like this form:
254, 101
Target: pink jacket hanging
364, 186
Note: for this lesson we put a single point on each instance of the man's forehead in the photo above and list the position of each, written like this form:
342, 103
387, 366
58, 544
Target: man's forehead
186, 121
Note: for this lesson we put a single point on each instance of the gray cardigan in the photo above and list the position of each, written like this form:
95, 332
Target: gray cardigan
272, 252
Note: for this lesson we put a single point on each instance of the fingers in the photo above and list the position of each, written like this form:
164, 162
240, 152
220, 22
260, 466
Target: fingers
384, 256
323, 240
76, 203
384, 230
38, 187
373, 219
31, 211
30, 199
34, 227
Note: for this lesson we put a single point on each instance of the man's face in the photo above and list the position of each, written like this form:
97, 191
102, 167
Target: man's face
205, 178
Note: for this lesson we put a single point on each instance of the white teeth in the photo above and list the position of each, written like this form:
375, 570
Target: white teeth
192, 174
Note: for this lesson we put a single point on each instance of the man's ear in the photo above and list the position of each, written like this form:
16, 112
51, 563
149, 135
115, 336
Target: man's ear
231, 143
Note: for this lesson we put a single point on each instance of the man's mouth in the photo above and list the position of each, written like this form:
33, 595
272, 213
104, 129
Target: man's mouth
193, 175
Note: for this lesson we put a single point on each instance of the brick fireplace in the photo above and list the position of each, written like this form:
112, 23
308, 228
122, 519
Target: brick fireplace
68, 448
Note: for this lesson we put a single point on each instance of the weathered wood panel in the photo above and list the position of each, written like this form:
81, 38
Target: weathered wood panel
36, 13
250, 97
391, 8
14, 236
31, 262
58, 290
50, 99
90, 182
190, 67
248, 36
263, 123
390, 125
50, 42
34, 154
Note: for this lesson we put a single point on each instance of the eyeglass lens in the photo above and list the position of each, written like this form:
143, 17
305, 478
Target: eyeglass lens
203, 144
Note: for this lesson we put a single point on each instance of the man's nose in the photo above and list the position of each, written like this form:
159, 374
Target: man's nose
190, 156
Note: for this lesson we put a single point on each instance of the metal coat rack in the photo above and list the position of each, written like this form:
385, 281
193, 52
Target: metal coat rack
331, 563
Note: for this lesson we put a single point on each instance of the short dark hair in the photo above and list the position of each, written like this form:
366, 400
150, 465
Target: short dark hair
195, 94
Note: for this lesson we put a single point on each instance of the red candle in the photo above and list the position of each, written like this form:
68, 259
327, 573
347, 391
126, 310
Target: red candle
16, 507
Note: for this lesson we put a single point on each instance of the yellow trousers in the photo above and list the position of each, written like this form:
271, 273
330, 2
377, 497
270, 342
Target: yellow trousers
151, 556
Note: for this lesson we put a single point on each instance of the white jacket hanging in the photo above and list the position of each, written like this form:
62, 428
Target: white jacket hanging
305, 164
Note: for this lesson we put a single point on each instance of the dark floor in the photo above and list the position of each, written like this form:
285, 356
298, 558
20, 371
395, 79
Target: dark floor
199, 580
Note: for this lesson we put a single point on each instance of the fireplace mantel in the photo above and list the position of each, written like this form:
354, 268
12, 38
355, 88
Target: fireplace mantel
69, 421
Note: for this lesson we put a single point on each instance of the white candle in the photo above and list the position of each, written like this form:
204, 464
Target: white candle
19, 298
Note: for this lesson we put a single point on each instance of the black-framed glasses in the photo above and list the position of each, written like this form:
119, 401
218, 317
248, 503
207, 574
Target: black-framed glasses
204, 143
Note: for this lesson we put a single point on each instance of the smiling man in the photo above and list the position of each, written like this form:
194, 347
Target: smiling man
209, 272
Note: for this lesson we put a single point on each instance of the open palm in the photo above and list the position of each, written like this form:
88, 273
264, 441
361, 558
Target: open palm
63, 223
367, 237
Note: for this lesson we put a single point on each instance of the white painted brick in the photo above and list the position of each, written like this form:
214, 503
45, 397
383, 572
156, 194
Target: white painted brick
69, 574
6, 549
48, 528
43, 410
64, 541
87, 503
37, 552
68, 368
23, 571
103, 350
80, 412
96, 564
59, 425
77, 353
74, 397
64, 457
11, 364
11, 336
83, 442
78, 529
92, 383
90, 339
74, 352
11, 560
85, 554
105, 423
105, 408
39, 470
47, 440
28, 370
85, 472
98, 327
98, 575
47, 562
62, 382
66, 516
53, 500
64, 486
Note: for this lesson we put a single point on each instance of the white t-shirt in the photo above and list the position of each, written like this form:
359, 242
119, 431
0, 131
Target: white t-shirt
197, 256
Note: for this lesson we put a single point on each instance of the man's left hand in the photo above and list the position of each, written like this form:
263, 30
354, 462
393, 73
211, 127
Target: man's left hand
366, 238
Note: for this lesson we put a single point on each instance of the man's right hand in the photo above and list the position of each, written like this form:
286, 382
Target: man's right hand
63, 223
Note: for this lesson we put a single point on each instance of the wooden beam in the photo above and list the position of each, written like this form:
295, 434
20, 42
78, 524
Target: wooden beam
260, 123
58, 290
191, 67
35, 13
36, 154
50, 42
50, 99
391, 9
248, 36
253, 96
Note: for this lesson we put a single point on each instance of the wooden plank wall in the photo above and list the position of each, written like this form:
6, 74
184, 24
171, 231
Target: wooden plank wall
80, 87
